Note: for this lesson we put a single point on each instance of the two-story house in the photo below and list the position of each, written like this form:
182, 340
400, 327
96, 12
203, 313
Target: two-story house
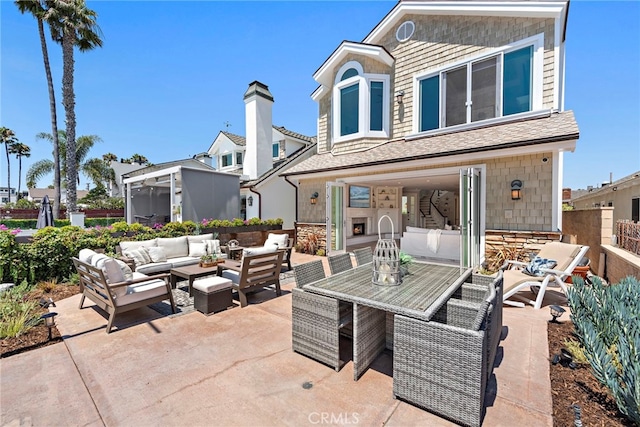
447, 113
260, 157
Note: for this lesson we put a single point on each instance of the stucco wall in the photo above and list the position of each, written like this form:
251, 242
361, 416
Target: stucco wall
620, 199
591, 227
620, 264
438, 41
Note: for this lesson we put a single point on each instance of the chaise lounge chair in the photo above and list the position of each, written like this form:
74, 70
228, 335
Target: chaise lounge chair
566, 256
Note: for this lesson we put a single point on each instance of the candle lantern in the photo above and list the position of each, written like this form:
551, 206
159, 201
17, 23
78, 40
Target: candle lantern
386, 259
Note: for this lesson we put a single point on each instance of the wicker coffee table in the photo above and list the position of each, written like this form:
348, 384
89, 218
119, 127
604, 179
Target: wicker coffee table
190, 273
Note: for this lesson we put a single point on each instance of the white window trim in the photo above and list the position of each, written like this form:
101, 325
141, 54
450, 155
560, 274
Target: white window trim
278, 144
364, 105
536, 41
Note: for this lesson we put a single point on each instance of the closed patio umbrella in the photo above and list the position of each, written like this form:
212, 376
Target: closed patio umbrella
45, 217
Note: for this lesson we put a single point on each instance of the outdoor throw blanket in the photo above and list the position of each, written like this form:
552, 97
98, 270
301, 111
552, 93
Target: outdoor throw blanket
533, 269
433, 240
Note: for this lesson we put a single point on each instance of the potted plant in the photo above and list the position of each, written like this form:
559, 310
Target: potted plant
208, 260
405, 261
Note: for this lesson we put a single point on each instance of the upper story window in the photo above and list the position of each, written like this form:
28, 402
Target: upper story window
239, 158
360, 104
226, 160
503, 83
275, 150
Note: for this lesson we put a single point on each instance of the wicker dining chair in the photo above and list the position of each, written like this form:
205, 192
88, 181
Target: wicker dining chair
308, 272
340, 263
363, 255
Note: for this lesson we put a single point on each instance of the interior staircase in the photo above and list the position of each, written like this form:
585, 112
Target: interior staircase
426, 219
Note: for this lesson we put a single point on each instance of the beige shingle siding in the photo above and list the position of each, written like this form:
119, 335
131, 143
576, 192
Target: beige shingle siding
442, 40
532, 213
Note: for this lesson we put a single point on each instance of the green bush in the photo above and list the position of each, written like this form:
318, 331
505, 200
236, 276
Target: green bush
17, 315
13, 263
607, 320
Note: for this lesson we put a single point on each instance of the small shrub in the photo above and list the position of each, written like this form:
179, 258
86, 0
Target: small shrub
120, 227
577, 351
17, 315
320, 252
607, 321
47, 286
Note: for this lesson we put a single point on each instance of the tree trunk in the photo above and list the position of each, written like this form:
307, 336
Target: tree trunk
6, 150
54, 122
68, 101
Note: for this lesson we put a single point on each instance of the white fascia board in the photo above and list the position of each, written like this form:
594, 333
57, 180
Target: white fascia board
324, 73
476, 157
468, 8
319, 93
158, 173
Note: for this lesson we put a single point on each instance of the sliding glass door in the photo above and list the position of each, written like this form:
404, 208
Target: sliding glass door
470, 229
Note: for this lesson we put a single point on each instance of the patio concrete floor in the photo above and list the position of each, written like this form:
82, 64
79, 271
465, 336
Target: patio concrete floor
236, 368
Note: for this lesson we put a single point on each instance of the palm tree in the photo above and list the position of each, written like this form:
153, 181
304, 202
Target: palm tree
109, 157
139, 159
72, 24
94, 168
20, 150
8, 138
38, 9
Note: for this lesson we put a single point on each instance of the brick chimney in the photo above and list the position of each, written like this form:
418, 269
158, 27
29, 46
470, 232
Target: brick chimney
258, 106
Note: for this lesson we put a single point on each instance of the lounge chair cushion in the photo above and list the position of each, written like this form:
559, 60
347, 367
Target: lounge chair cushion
259, 250
277, 239
157, 254
182, 261
154, 267
234, 276
533, 269
143, 291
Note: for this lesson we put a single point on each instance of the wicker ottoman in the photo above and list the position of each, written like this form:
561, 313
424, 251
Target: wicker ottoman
212, 294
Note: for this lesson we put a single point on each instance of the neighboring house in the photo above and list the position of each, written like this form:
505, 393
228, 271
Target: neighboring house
37, 194
439, 97
260, 157
623, 195
120, 168
8, 195
182, 190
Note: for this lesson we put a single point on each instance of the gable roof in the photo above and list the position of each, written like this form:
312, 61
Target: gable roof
553, 127
279, 166
236, 139
627, 181
292, 134
39, 193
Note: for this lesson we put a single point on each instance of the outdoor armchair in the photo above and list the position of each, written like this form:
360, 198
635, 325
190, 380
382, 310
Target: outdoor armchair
339, 263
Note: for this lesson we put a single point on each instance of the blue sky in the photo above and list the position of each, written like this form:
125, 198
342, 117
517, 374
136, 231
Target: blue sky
171, 74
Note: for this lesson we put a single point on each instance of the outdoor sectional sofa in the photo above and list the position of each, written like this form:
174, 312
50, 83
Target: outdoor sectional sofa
165, 253
431, 243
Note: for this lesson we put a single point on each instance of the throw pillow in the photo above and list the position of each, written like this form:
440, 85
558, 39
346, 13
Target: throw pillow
197, 249
114, 274
126, 270
213, 246
277, 239
140, 256
157, 254
259, 250
533, 269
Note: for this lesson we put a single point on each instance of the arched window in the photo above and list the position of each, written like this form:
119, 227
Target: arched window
360, 103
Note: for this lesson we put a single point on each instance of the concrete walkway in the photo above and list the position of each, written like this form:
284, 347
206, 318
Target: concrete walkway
236, 368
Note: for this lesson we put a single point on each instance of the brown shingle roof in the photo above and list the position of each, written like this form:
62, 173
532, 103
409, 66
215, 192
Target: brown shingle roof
292, 134
236, 139
552, 128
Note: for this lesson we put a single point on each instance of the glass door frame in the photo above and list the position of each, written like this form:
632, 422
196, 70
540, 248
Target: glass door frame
336, 221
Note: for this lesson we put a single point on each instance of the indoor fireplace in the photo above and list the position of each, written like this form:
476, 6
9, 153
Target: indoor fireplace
359, 228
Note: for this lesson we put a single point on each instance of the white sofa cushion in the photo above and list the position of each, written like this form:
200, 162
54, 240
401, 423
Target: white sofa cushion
154, 267
200, 237
277, 239
126, 246
197, 249
183, 260
157, 254
174, 246
417, 230
85, 255
234, 276
140, 256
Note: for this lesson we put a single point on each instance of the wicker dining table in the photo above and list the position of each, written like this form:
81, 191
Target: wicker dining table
419, 296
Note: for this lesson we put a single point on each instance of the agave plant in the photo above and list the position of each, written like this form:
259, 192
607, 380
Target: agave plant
607, 320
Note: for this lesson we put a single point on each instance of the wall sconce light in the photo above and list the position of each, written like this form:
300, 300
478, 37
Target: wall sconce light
615, 188
314, 198
49, 321
516, 189
399, 96
250, 200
